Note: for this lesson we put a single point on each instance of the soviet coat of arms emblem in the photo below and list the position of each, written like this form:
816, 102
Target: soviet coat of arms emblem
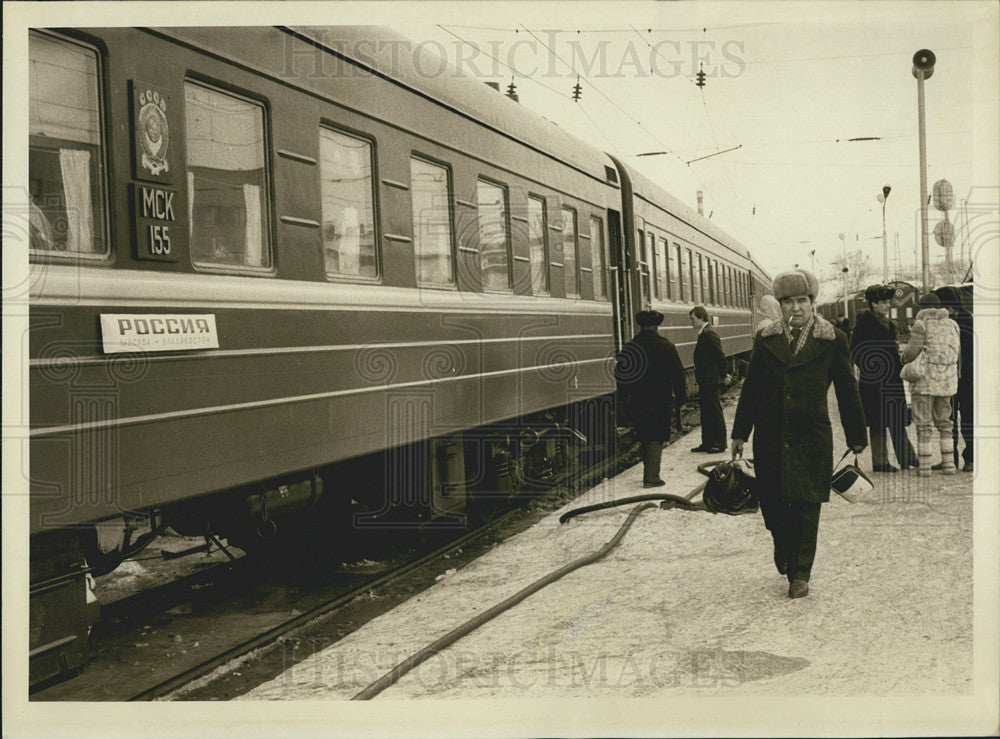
153, 132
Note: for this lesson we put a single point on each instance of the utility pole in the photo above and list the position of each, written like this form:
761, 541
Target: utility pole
885, 246
923, 68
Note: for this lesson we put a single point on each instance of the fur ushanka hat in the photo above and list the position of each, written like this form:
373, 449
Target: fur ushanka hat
795, 282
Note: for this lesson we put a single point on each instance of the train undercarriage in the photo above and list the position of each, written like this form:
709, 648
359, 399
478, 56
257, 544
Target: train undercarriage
457, 480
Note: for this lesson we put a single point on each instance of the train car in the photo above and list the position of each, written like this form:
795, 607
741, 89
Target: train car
902, 310
678, 259
299, 280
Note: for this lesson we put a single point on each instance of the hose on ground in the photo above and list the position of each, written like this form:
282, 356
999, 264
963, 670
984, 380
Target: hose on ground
669, 501
474, 623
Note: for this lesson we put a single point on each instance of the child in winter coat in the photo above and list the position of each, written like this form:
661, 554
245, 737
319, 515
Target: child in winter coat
935, 336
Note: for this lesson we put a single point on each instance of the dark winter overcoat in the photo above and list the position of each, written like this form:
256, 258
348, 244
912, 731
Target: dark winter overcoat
709, 359
876, 353
650, 380
784, 404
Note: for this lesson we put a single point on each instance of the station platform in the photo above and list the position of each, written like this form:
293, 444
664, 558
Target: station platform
690, 606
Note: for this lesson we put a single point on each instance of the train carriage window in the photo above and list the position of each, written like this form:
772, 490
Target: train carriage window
686, 273
226, 178
696, 277
702, 283
710, 280
432, 231
538, 245
348, 205
663, 286
651, 259
570, 257
494, 236
65, 153
674, 267
645, 294
598, 258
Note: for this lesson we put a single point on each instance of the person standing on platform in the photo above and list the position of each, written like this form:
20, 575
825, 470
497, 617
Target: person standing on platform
876, 353
962, 413
935, 336
710, 374
784, 404
650, 380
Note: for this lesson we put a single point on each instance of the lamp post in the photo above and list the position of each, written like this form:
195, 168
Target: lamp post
923, 68
883, 196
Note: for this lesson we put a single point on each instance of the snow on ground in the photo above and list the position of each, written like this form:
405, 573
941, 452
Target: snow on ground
690, 605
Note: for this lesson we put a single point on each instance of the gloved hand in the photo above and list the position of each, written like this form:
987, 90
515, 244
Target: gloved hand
737, 448
858, 448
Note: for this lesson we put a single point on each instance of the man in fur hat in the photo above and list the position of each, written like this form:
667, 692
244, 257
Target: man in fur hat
650, 379
784, 404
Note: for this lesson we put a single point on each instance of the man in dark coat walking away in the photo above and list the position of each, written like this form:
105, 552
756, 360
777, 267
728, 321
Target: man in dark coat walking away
784, 404
876, 353
650, 381
710, 374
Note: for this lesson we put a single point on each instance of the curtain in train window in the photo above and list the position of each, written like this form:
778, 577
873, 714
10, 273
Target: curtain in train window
598, 259
570, 260
348, 205
432, 233
227, 183
494, 237
537, 235
65, 171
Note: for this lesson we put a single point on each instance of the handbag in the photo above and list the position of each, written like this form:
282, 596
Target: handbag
913, 371
850, 483
730, 487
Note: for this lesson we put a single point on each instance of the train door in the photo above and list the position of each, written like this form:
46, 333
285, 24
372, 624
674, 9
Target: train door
619, 268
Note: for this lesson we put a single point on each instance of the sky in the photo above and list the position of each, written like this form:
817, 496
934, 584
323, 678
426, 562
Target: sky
787, 83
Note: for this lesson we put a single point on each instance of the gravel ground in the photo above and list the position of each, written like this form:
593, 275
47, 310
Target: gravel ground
689, 605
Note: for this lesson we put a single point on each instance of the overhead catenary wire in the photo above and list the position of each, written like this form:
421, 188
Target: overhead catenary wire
500, 61
598, 90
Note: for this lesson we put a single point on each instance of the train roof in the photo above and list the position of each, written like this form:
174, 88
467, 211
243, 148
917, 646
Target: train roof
410, 64
645, 188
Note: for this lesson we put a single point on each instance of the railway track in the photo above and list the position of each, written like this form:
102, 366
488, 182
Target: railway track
287, 621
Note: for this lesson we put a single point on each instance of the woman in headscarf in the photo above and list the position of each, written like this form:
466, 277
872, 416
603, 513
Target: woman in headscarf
875, 351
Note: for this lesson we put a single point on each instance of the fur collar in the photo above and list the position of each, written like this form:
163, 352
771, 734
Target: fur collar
822, 328
932, 314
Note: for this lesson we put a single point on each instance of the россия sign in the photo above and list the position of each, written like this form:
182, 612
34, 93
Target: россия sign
157, 332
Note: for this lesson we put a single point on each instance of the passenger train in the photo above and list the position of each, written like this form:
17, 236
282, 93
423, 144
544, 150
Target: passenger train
310, 278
